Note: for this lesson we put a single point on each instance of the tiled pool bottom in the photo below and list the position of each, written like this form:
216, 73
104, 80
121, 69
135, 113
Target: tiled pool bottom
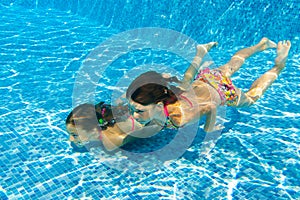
40, 55
40, 52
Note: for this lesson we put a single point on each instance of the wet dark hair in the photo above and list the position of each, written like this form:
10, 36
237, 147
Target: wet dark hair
151, 87
88, 116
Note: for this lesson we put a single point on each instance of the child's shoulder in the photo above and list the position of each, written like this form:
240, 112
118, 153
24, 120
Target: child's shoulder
175, 113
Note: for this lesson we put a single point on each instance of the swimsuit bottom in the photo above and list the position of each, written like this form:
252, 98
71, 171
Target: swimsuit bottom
221, 83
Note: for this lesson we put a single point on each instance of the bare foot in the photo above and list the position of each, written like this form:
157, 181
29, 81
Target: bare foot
202, 49
267, 44
282, 52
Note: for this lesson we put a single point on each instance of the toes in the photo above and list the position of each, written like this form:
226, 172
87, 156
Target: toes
267, 43
264, 40
272, 44
201, 47
285, 43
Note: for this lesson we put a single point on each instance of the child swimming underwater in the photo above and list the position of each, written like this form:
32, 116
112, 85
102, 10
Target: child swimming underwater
153, 100
88, 123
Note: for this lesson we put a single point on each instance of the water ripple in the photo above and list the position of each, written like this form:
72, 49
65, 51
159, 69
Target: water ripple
41, 52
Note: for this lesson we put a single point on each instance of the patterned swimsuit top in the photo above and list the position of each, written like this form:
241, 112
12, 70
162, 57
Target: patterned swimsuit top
221, 83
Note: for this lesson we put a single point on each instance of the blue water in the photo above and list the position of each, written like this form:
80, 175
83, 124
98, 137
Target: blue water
43, 45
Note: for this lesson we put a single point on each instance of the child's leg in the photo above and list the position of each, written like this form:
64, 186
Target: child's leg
238, 59
262, 83
193, 69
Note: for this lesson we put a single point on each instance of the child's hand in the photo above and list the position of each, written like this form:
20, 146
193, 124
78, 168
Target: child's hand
218, 127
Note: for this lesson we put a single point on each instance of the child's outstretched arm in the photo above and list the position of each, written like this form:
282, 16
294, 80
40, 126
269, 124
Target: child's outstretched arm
125, 132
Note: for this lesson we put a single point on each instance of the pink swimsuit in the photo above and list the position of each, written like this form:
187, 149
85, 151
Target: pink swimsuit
221, 83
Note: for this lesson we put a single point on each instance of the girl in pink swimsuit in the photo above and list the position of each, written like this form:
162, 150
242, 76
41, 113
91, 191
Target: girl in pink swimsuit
155, 99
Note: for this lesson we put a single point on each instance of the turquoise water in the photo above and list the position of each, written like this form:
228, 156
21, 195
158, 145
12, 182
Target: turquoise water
43, 45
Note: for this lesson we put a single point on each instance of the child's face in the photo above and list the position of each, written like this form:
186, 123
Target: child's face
80, 136
143, 114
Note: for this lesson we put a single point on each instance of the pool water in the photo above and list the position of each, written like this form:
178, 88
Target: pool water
257, 156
